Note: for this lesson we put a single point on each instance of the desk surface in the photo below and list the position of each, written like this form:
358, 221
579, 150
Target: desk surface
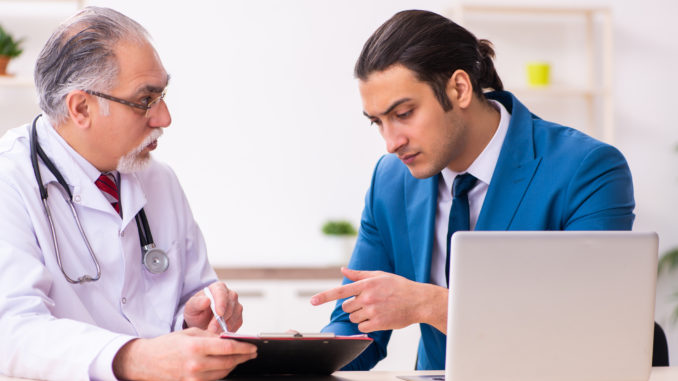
658, 374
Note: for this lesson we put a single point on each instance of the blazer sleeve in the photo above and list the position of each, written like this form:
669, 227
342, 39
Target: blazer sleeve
370, 253
600, 194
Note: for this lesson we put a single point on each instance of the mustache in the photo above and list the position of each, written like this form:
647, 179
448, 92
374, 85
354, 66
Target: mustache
153, 136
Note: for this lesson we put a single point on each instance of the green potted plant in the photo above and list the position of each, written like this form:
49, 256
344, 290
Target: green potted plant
667, 263
339, 228
340, 237
9, 48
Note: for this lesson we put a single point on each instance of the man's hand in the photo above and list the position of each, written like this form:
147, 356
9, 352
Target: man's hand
380, 301
191, 354
197, 312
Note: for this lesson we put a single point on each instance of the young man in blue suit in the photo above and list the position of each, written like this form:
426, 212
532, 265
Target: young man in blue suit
422, 80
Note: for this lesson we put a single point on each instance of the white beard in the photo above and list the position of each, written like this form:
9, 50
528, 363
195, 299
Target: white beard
134, 161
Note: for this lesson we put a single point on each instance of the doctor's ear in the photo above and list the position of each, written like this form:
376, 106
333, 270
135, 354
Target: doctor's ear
460, 89
79, 108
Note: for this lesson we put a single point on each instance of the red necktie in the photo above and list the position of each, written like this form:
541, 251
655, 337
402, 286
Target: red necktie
106, 182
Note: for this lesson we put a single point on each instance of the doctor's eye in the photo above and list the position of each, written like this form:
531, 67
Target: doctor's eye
405, 114
146, 100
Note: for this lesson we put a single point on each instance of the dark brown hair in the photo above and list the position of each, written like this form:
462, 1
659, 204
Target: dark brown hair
433, 47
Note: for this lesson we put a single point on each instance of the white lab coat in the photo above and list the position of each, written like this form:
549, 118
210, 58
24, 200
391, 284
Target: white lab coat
51, 329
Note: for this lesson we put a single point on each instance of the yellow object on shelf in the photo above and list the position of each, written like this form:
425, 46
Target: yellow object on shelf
538, 73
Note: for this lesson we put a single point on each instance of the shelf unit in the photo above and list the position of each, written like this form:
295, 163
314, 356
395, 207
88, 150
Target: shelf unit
23, 79
523, 33
35, 21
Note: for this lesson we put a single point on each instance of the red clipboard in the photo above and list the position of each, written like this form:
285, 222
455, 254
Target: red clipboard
287, 353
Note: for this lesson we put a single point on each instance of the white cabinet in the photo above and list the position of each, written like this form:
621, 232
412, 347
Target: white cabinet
576, 42
281, 304
277, 305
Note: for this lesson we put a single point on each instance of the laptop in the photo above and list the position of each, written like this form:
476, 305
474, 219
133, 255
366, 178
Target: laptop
551, 306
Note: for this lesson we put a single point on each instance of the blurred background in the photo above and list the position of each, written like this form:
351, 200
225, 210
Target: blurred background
269, 140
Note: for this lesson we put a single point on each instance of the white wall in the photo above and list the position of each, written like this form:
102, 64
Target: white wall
268, 137
263, 97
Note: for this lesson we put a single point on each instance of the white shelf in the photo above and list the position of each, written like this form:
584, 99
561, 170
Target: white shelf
80, 3
558, 91
525, 9
23, 8
582, 72
15, 80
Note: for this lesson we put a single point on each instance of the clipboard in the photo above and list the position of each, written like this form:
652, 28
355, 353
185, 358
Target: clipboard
300, 353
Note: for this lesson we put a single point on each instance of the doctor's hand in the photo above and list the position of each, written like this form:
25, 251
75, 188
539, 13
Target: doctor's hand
197, 312
379, 301
190, 354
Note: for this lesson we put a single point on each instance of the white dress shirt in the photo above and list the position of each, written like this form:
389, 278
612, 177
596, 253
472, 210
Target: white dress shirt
52, 329
482, 168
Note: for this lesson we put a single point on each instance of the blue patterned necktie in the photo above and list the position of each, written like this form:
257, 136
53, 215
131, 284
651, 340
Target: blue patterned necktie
459, 213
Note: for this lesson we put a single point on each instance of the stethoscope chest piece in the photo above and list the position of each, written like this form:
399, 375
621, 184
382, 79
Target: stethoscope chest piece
155, 260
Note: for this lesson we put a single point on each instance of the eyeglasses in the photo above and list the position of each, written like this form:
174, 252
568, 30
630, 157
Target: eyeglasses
145, 107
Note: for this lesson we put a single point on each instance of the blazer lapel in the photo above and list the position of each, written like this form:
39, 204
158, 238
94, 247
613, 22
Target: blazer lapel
421, 197
515, 167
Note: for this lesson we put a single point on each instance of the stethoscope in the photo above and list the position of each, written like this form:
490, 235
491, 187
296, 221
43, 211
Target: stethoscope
155, 260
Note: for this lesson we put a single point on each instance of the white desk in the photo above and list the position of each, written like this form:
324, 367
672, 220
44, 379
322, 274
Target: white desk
658, 374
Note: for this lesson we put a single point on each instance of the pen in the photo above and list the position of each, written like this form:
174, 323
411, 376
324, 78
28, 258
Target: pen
220, 319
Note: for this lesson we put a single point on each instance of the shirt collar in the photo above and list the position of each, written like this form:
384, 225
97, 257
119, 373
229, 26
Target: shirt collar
482, 167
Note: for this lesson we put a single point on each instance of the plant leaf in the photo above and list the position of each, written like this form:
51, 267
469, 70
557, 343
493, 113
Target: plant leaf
8, 45
668, 261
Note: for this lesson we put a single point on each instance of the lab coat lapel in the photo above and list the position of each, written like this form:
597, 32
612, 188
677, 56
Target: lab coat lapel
132, 197
515, 168
421, 197
80, 180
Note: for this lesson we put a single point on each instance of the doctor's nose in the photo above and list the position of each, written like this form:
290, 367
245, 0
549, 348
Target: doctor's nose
159, 115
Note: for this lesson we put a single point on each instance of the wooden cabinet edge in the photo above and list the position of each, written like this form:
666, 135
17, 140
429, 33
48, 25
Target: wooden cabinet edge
281, 273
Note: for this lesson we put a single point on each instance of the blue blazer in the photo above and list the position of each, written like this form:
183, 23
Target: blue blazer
547, 177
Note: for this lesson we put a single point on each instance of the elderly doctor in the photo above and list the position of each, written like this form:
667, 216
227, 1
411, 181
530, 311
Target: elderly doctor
79, 299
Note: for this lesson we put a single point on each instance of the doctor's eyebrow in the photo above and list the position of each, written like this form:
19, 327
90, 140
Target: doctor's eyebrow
152, 89
390, 108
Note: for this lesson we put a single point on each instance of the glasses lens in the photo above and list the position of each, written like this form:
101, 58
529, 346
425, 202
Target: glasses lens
156, 101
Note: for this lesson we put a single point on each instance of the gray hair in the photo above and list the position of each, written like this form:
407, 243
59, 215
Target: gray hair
80, 56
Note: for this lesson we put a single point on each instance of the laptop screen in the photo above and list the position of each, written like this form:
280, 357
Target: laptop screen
551, 306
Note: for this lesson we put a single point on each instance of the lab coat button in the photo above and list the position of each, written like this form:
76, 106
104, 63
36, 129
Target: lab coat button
124, 300
76, 198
